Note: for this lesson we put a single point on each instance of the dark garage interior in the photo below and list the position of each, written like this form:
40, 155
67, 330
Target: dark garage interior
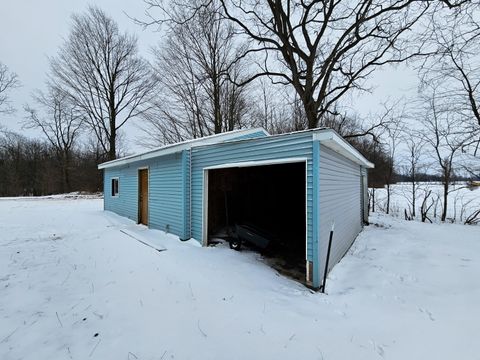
269, 199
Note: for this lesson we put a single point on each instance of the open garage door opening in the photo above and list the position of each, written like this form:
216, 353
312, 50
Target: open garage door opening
263, 207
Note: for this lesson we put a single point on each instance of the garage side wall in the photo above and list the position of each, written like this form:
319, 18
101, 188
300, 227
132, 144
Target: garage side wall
340, 195
264, 149
126, 203
167, 192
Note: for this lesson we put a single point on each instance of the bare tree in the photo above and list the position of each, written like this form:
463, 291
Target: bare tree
30, 167
100, 70
322, 49
268, 107
454, 67
394, 133
473, 218
60, 121
426, 206
451, 78
8, 81
195, 63
447, 133
414, 151
276, 108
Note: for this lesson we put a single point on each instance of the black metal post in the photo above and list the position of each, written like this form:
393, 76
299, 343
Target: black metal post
328, 258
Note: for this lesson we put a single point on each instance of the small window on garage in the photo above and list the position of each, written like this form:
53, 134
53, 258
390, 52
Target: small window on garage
115, 187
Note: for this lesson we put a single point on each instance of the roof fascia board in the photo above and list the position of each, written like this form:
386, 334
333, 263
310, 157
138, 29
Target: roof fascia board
173, 148
145, 156
333, 141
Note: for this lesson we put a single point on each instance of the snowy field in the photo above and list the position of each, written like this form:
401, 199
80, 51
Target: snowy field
75, 284
462, 201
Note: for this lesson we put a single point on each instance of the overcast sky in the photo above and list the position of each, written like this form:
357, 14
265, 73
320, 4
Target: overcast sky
32, 30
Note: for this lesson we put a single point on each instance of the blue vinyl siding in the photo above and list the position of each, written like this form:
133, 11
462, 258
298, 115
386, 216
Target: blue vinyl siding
126, 203
340, 202
169, 190
269, 148
165, 194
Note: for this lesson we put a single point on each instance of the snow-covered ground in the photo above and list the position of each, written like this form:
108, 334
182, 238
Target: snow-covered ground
73, 285
462, 201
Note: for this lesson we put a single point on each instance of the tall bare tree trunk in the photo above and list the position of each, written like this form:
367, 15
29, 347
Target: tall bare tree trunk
66, 172
373, 200
216, 106
388, 199
445, 200
112, 139
414, 195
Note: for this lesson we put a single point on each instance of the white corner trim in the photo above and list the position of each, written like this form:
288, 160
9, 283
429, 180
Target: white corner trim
333, 141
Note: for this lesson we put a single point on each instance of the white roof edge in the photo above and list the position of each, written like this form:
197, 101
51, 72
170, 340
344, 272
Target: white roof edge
177, 147
331, 139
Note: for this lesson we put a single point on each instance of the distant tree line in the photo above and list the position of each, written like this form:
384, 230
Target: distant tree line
424, 177
30, 167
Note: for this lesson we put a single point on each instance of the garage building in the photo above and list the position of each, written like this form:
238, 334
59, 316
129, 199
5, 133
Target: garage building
293, 185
